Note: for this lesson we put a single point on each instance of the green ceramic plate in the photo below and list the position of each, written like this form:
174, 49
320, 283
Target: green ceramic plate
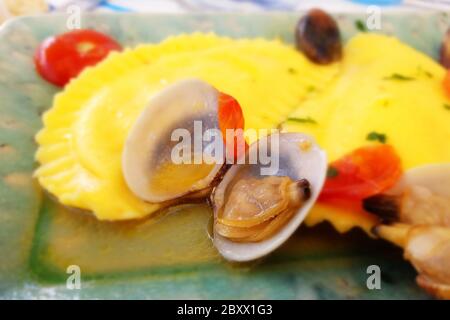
39, 240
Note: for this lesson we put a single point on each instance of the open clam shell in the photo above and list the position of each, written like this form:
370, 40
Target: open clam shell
418, 211
181, 113
299, 158
434, 177
421, 196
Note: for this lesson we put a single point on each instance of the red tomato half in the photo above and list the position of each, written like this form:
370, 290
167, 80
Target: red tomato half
363, 173
231, 117
61, 58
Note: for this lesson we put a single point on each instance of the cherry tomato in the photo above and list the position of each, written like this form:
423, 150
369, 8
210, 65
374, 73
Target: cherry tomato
446, 83
231, 117
362, 173
61, 58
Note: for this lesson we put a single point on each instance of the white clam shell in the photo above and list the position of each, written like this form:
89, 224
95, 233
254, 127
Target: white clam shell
175, 107
434, 177
297, 163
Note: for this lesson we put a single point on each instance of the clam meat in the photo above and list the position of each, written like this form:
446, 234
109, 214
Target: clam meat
255, 213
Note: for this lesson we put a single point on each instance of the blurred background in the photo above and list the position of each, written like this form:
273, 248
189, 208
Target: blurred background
12, 8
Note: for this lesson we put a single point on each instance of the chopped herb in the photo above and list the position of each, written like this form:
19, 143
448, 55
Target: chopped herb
397, 76
332, 172
292, 71
446, 106
360, 25
427, 73
375, 136
303, 120
311, 89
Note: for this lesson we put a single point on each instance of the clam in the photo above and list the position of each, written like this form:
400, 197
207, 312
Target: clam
427, 247
317, 35
165, 158
255, 211
258, 201
421, 196
444, 54
416, 215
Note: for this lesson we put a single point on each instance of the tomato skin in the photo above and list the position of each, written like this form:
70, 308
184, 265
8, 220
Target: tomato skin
59, 59
230, 116
446, 83
363, 173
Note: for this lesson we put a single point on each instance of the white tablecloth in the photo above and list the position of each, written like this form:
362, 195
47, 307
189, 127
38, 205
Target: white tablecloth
240, 5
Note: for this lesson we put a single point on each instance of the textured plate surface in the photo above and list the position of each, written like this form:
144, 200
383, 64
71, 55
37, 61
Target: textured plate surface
315, 264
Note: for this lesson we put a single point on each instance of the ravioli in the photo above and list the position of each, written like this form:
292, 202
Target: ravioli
385, 87
381, 86
81, 144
